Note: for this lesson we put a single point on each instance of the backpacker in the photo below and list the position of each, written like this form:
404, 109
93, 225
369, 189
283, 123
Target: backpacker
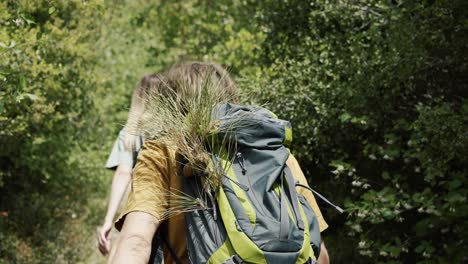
256, 215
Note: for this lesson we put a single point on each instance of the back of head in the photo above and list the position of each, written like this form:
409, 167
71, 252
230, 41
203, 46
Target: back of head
189, 79
184, 94
150, 85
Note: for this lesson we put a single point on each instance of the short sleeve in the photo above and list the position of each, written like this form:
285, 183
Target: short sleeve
299, 175
121, 156
150, 182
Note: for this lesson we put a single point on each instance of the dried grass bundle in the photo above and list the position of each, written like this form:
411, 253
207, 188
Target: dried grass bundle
188, 122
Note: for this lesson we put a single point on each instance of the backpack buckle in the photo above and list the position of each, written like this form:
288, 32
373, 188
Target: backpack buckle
234, 259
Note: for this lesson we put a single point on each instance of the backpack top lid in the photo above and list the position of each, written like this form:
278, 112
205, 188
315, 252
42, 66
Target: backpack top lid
251, 126
259, 135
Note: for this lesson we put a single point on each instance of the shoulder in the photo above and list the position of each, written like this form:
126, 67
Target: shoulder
155, 154
155, 170
292, 163
298, 175
155, 146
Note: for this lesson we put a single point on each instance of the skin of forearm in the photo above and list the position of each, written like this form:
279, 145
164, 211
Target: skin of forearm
134, 243
323, 258
120, 182
131, 249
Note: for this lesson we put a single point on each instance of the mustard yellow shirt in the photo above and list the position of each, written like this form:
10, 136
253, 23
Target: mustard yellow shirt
155, 176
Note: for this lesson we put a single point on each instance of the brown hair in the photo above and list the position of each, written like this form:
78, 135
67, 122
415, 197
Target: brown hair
148, 86
187, 78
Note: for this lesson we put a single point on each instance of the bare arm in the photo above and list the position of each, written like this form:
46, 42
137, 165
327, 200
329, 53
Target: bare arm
120, 182
134, 243
323, 257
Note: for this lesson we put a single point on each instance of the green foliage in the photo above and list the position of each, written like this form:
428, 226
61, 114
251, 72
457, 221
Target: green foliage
45, 127
374, 90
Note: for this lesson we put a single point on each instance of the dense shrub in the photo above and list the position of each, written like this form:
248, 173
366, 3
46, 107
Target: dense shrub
375, 90
46, 105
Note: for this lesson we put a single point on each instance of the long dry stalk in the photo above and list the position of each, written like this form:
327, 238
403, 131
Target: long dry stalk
189, 123
192, 126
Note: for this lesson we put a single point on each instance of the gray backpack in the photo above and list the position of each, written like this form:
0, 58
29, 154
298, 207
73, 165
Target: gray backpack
256, 216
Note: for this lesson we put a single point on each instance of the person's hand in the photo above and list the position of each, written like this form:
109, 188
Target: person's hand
104, 238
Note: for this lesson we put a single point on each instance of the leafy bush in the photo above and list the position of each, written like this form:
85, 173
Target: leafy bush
374, 89
45, 121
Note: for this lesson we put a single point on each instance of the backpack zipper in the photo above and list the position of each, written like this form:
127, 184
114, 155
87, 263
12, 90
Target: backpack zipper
240, 160
242, 186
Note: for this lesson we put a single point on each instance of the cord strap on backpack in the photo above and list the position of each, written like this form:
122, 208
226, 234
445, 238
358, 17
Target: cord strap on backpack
339, 209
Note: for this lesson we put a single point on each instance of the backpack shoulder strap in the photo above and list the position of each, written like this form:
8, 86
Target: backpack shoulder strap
293, 194
157, 252
171, 251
